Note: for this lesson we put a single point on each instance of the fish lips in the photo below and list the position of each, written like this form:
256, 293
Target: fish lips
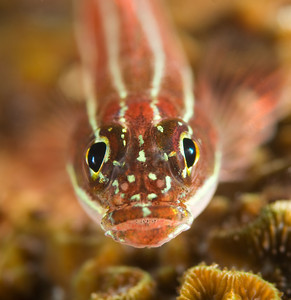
143, 225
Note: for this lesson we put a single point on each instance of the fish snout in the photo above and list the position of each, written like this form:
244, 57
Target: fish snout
142, 225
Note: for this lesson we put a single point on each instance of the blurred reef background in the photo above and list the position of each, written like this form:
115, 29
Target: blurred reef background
238, 248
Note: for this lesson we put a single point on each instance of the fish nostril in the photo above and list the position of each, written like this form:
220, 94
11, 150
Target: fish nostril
124, 186
152, 181
160, 183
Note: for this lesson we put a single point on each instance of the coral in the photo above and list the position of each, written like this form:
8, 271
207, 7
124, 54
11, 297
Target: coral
263, 245
118, 283
19, 276
68, 247
209, 282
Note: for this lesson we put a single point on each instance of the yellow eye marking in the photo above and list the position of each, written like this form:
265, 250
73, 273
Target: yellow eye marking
173, 153
197, 153
87, 153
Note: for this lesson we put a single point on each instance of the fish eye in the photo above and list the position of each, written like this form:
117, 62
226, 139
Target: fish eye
95, 156
191, 152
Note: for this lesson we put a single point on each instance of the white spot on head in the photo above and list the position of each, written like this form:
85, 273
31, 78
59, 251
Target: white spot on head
152, 176
168, 184
152, 196
116, 163
141, 156
141, 141
102, 178
146, 212
160, 128
135, 197
116, 185
131, 178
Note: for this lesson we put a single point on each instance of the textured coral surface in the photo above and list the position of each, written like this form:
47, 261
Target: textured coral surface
205, 282
51, 250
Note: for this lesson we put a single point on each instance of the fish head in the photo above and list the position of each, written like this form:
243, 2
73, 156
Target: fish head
144, 184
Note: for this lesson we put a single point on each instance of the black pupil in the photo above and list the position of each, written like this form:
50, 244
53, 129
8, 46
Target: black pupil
190, 152
96, 155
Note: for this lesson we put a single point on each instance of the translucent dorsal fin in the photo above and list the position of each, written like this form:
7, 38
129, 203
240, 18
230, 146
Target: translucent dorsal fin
240, 85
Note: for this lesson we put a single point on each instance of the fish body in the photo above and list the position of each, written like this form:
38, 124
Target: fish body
146, 157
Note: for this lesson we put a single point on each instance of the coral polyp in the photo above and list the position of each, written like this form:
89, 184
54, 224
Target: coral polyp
209, 282
113, 283
263, 245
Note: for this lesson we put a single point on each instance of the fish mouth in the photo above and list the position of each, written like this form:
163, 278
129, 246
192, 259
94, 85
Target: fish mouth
144, 225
